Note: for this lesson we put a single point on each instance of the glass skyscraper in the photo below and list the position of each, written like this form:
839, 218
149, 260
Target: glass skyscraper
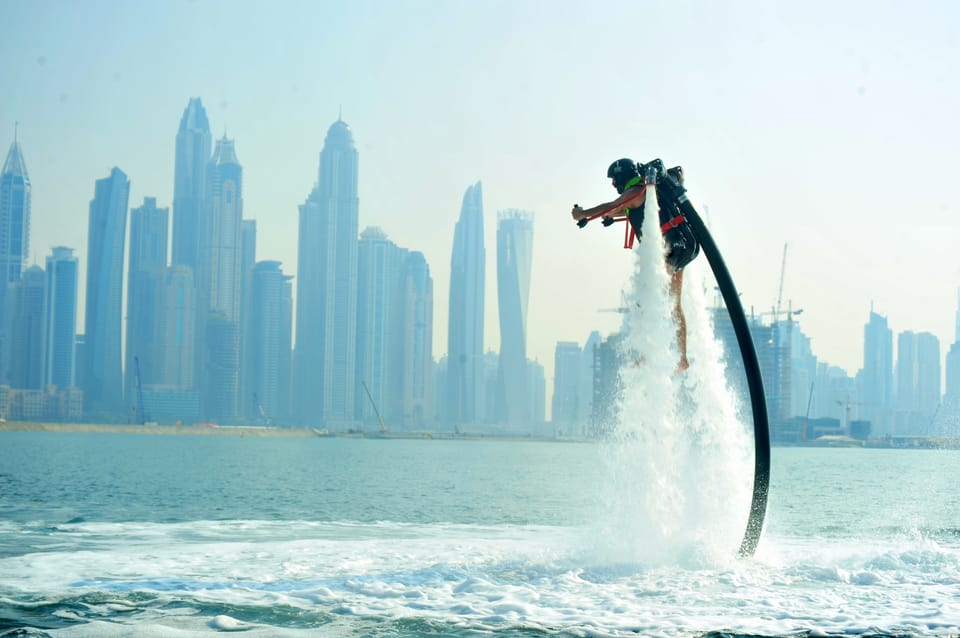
14, 235
145, 281
267, 373
189, 186
220, 256
465, 314
877, 376
102, 380
327, 288
514, 260
61, 319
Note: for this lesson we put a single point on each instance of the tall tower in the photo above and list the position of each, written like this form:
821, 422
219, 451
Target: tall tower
379, 275
60, 328
267, 375
248, 260
566, 386
14, 234
928, 376
102, 381
514, 259
26, 329
465, 313
178, 329
416, 342
877, 374
327, 287
220, 256
146, 271
189, 183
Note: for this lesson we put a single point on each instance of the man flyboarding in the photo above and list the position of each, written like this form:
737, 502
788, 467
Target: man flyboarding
630, 179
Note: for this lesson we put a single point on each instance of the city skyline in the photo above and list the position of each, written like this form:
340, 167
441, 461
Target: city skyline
806, 156
147, 259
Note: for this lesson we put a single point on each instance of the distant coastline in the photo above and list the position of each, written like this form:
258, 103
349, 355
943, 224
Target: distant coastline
196, 430
911, 442
246, 431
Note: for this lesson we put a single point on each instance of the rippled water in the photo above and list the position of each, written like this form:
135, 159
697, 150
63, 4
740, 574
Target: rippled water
104, 535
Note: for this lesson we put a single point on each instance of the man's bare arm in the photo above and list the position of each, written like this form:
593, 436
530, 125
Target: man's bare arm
632, 198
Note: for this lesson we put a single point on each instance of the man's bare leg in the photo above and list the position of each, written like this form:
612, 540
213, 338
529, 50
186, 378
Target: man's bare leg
676, 287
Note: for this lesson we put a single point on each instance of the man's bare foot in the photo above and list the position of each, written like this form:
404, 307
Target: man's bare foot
681, 367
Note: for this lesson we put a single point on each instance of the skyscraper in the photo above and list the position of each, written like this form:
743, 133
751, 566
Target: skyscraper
877, 374
327, 287
178, 329
464, 379
189, 185
514, 259
416, 342
146, 272
565, 407
220, 256
267, 378
248, 260
102, 379
26, 329
380, 265
60, 327
928, 376
14, 233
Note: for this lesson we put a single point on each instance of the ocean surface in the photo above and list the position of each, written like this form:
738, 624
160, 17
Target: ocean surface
129, 535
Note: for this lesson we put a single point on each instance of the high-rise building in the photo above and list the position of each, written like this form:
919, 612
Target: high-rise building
565, 406
906, 372
380, 265
14, 234
585, 391
951, 393
189, 186
178, 328
60, 328
102, 380
327, 287
877, 375
146, 272
26, 297
267, 374
928, 377
220, 256
465, 378
514, 259
416, 342
248, 259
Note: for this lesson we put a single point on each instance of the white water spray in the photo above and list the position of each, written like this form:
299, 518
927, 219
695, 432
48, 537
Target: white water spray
680, 462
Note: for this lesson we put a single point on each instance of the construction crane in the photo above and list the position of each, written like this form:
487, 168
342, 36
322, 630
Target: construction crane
783, 269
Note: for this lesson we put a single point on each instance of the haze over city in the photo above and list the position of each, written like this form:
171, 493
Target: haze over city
829, 128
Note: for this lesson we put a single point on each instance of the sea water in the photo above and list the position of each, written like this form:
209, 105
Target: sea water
120, 535
127, 535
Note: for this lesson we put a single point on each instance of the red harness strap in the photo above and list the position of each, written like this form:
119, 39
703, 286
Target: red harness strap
630, 235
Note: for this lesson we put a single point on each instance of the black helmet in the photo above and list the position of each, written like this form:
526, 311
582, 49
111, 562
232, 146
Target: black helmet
621, 172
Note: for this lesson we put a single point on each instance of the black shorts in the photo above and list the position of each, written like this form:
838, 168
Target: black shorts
681, 244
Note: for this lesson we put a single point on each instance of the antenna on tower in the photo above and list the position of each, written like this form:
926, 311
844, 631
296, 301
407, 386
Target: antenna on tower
16, 125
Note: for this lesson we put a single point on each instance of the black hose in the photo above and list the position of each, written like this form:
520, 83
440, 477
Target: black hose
761, 425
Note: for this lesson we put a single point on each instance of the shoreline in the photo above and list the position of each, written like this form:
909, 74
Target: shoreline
190, 430
244, 431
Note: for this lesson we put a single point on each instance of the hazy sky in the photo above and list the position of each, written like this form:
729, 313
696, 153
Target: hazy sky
831, 127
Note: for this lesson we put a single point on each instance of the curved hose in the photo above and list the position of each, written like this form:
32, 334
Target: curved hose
761, 425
